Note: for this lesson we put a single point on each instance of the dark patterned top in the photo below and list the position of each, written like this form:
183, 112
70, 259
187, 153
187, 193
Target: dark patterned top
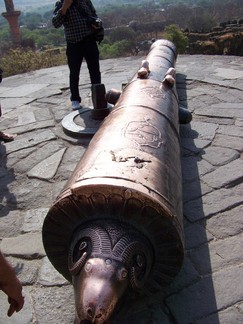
75, 23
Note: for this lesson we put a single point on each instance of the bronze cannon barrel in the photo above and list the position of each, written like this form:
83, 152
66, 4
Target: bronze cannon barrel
130, 173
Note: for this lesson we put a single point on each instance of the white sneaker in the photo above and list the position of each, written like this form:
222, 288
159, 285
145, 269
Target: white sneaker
76, 105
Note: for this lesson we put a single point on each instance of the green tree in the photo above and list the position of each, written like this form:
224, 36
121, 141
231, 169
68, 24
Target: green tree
175, 35
42, 37
117, 49
31, 20
121, 33
4, 33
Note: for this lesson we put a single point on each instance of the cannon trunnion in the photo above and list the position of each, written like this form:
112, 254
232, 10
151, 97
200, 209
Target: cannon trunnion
117, 225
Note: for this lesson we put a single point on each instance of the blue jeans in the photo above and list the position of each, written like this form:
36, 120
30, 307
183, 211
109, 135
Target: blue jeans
75, 55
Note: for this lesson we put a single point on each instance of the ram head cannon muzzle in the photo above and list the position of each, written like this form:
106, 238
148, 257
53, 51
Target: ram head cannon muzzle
105, 260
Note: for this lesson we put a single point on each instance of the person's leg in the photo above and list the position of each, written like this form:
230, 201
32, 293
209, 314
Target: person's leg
91, 54
74, 59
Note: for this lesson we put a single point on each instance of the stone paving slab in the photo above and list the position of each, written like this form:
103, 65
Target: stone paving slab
30, 140
219, 156
204, 299
47, 169
213, 202
225, 176
35, 167
226, 224
25, 90
229, 142
27, 246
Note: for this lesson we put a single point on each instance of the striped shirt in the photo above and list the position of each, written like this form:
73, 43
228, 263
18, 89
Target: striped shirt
76, 25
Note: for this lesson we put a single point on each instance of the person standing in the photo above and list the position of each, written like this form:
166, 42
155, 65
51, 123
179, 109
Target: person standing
73, 16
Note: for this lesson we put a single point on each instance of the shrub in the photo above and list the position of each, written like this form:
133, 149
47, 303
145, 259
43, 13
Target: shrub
17, 61
117, 49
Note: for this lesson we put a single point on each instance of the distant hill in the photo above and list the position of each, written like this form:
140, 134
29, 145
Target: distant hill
28, 5
32, 5
21, 3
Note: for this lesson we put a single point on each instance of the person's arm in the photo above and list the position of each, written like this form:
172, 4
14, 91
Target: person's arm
11, 286
60, 11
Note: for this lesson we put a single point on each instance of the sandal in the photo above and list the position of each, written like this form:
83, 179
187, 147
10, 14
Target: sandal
6, 137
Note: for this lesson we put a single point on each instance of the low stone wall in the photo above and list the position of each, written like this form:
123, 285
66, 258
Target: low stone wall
226, 42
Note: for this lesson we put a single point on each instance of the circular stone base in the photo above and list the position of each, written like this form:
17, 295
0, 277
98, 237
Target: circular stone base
80, 123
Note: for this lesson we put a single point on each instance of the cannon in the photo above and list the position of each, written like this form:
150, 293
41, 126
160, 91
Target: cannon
116, 229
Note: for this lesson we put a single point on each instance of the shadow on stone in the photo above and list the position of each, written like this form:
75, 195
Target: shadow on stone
7, 176
192, 296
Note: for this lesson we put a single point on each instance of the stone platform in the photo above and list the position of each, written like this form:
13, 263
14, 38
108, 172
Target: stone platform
36, 165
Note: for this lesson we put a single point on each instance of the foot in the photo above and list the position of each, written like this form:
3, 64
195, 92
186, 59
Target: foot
76, 105
6, 137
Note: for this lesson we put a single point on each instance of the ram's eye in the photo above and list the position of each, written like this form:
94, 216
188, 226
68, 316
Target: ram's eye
83, 245
140, 260
122, 274
79, 249
88, 267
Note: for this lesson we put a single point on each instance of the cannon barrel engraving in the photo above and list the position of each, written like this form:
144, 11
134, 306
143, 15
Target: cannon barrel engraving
117, 225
